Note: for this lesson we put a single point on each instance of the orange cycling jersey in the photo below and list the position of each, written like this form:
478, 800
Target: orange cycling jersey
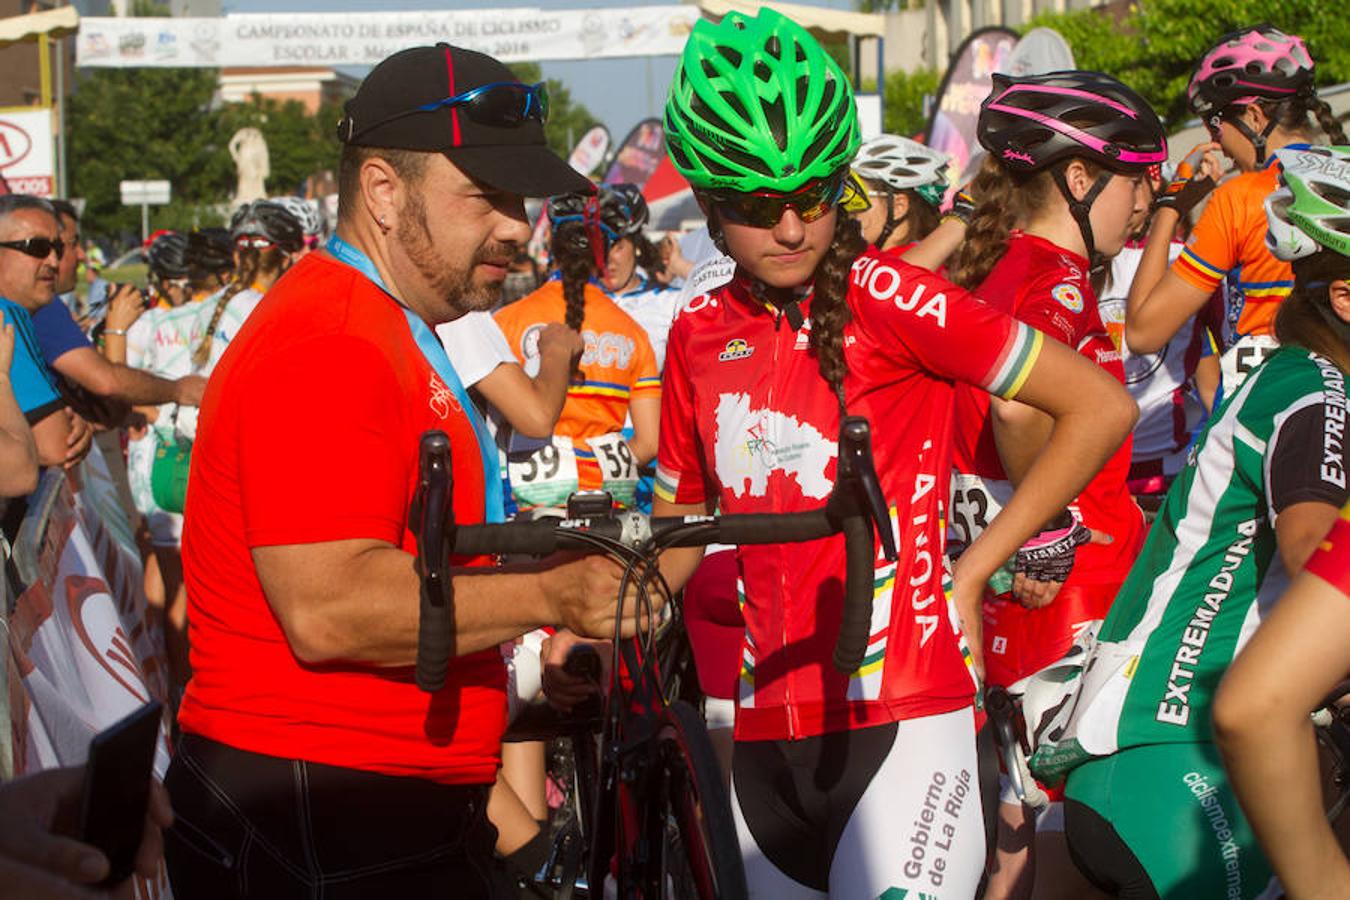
617, 367
1230, 239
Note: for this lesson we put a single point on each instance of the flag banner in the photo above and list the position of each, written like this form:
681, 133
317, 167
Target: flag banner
951, 130
590, 150
638, 156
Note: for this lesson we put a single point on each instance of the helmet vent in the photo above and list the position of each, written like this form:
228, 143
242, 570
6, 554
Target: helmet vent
1331, 193
737, 106
777, 119
762, 71
774, 48
730, 54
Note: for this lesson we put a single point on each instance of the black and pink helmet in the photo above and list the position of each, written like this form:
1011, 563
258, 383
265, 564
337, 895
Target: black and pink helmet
1034, 122
1255, 63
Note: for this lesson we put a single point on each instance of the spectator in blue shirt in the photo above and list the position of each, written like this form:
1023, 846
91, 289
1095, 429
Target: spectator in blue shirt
30, 251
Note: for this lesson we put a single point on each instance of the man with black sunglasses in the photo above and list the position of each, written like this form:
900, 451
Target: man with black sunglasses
30, 252
310, 761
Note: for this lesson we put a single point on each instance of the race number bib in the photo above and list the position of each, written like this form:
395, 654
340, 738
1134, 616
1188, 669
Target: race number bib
975, 502
1238, 362
618, 467
545, 477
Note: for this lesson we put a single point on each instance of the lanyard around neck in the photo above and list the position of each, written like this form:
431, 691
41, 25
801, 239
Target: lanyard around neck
434, 353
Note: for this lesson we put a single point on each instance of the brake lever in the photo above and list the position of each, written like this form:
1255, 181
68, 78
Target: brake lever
857, 466
432, 513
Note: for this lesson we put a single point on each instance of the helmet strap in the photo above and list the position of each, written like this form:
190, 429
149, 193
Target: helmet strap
1257, 139
1080, 209
891, 221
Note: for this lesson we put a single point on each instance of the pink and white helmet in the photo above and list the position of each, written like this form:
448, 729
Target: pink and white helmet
1261, 62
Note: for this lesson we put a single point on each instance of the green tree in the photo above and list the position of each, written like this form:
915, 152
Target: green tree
567, 120
907, 95
1154, 48
142, 124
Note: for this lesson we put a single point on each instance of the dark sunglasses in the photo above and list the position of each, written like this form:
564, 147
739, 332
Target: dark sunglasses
38, 247
765, 209
502, 104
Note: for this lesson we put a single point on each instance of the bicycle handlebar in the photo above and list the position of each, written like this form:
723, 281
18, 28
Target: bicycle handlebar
856, 507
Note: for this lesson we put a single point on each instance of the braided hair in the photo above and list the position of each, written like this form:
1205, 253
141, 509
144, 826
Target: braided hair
571, 251
829, 304
254, 263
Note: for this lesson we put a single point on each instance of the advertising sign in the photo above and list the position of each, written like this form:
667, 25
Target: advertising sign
27, 156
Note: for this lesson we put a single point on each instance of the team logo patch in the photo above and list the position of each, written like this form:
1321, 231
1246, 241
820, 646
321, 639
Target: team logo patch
1000, 645
1068, 296
737, 348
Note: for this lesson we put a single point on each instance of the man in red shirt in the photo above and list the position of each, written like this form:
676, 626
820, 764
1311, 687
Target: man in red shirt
310, 762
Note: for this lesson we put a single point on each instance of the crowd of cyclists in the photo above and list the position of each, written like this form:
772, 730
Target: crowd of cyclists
1108, 407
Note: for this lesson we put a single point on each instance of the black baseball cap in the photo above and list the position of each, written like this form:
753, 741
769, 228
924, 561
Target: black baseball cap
510, 157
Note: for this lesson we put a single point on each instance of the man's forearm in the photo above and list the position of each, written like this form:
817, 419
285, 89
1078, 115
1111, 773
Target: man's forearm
366, 608
141, 387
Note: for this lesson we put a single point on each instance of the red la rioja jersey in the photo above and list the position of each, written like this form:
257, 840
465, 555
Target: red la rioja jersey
749, 425
1046, 287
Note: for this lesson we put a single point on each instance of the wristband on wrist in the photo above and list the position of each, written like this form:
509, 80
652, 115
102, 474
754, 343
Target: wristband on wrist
120, 332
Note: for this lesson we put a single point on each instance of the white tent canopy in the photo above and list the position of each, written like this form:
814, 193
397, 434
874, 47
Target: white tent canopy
55, 23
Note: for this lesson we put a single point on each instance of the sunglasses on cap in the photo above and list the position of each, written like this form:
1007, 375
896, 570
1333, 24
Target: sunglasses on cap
38, 247
502, 104
765, 209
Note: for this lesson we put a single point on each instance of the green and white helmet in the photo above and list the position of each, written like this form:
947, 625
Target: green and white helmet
756, 104
1311, 210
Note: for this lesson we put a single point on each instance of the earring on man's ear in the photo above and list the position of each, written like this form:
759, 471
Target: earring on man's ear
384, 226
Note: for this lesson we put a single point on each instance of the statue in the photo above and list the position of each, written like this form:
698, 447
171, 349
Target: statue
249, 149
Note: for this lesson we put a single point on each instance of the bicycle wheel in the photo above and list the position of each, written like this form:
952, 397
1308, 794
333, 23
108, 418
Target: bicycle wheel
690, 826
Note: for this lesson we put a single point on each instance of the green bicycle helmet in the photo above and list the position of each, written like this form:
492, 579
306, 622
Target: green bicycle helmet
757, 105
1311, 210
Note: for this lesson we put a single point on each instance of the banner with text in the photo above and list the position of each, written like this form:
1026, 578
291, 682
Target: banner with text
363, 39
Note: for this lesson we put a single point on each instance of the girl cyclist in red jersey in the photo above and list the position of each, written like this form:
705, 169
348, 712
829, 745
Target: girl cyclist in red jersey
861, 784
617, 376
1254, 92
1066, 173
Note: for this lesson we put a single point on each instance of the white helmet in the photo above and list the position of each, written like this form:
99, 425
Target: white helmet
903, 165
1310, 211
305, 212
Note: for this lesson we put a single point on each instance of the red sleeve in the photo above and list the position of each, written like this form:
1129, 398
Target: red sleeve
1331, 560
330, 466
680, 475
946, 330
1055, 306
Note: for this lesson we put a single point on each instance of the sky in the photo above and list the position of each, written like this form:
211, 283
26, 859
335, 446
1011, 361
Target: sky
592, 82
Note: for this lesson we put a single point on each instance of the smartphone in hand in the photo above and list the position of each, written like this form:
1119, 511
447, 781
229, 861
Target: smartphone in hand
117, 788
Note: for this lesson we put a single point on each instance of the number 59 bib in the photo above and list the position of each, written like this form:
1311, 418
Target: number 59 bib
546, 477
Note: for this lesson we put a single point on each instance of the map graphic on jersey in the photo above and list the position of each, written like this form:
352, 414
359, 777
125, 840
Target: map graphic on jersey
752, 443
